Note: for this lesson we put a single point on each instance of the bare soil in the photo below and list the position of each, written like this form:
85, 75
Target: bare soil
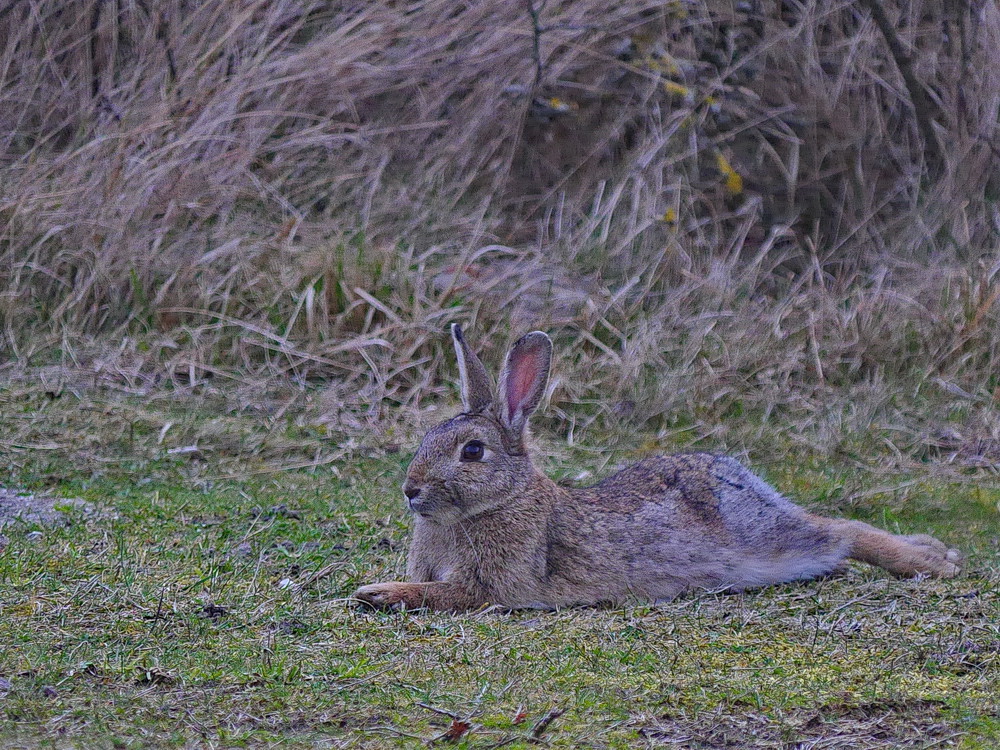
43, 510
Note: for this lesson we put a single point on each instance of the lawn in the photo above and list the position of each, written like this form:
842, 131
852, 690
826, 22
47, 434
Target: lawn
202, 599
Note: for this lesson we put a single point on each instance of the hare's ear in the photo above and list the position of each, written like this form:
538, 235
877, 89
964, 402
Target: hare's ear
523, 381
477, 386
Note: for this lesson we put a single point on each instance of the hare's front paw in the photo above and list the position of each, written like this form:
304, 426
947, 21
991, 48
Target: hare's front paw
934, 557
382, 595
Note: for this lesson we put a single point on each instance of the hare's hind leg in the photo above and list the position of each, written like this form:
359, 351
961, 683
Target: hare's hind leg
919, 554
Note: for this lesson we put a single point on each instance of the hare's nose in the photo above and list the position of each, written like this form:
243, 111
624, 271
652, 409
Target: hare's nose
410, 491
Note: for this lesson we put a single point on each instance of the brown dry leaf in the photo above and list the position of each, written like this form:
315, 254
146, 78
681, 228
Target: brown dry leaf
457, 730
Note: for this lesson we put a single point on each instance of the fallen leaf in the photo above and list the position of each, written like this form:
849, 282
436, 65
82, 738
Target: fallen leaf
457, 730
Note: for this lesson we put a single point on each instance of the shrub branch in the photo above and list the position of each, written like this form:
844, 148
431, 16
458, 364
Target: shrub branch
924, 108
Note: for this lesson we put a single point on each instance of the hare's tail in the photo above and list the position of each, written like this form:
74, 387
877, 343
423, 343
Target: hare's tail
900, 555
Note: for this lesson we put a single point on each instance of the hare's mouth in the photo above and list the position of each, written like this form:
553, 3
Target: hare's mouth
437, 506
415, 504
420, 507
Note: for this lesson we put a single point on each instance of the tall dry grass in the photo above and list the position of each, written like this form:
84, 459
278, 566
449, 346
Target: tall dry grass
718, 208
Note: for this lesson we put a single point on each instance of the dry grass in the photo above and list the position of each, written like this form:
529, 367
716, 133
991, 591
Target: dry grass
718, 209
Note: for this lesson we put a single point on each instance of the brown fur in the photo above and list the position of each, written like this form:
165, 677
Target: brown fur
497, 531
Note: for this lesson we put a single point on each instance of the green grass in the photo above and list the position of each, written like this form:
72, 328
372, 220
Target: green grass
189, 612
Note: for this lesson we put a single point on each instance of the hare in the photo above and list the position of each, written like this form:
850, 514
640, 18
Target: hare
490, 528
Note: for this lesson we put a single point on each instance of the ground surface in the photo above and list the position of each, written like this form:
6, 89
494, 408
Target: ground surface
205, 604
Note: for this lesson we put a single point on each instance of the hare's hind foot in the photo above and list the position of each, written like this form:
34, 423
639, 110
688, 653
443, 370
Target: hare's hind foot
905, 556
930, 556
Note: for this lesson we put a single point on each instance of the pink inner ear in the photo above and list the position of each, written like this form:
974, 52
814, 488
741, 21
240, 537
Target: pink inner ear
522, 378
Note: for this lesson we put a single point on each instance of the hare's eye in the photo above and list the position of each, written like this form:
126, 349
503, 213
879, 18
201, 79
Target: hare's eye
473, 451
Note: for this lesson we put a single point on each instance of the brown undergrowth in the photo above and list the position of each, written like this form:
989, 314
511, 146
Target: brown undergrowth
717, 209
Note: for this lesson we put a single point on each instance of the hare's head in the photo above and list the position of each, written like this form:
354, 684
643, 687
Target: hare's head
479, 459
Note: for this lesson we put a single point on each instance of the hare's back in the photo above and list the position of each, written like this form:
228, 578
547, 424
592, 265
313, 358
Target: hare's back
672, 523
713, 493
